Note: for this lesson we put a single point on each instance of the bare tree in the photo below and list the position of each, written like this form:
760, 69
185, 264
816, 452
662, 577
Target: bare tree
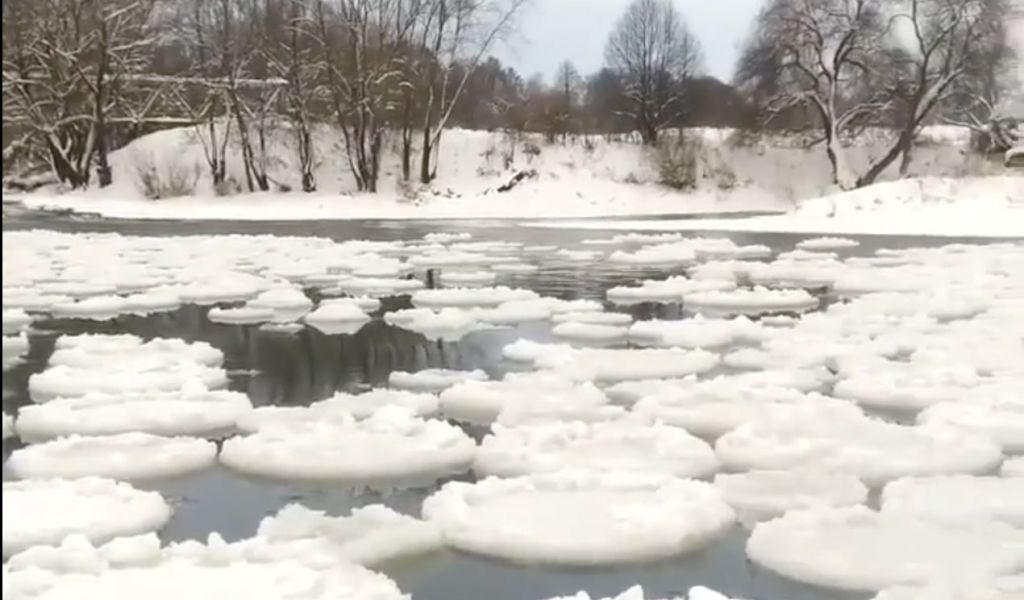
458, 34
654, 51
567, 86
63, 65
821, 55
939, 43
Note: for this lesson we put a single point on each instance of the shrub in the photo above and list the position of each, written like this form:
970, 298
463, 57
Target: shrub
677, 160
172, 181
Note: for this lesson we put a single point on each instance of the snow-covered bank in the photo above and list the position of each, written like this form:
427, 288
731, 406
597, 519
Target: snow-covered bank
562, 199
991, 207
590, 176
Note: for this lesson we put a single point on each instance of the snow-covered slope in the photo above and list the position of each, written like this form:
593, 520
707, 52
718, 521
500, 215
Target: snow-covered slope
583, 177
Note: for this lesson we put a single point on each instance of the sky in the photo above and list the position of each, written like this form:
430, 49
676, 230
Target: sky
551, 31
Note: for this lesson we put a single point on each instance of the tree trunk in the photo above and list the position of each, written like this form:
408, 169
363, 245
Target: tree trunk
879, 167
425, 173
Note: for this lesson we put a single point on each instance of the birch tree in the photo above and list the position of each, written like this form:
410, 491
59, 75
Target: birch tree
655, 53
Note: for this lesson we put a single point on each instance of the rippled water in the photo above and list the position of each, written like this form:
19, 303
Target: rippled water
277, 367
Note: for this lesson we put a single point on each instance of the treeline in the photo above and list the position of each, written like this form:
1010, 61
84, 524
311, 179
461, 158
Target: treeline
82, 77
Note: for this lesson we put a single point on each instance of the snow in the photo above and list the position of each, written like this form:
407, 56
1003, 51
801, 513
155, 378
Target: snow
341, 406
606, 446
763, 495
138, 568
45, 511
827, 243
756, 301
986, 207
192, 410
433, 381
579, 518
840, 438
961, 498
695, 333
389, 445
859, 549
481, 402
470, 297
124, 456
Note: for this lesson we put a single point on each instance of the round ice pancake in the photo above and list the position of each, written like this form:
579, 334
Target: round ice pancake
579, 519
342, 406
192, 411
762, 495
390, 445
1001, 420
432, 380
369, 536
959, 498
857, 548
842, 439
756, 301
45, 511
606, 446
827, 243
637, 593
138, 568
1010, 587
125, 456
1013, 467
480, 402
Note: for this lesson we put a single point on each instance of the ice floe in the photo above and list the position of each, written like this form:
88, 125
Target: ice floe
45, 511
433, 380
8, 426
193, 410
446, 323
960, 498
467, 278
1010, 587
756, 301
841, 439
241, 315
669, 290
1013, 467
999, 419
97, 308
137, 567
827, 243
480, 402
126, 456
612, 365
857, 548
341, 406
337, 316
608, 446
15, 320
590, 332
762, 495
698, 332
637, 593
388, 446
579, 518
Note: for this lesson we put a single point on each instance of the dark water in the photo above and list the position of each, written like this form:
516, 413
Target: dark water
275, 367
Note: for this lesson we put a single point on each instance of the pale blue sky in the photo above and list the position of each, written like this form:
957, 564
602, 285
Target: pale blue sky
554, 30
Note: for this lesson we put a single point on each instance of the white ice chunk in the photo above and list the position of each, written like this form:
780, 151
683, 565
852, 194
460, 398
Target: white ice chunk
445, 324
241, 315
8, 426
999, 419
97, 308
337, 316
15, 320
288, 303
126, 456
480, 402
827, 243
609, 366
579, 518
856, 548
470, 297
467, 278
1010, 587
763, 495
190, 411
959, 498
841, 439
433, 381
607, 446
1013, 467
340, 407
754, 301
590, 332
593, 318
390, 445
669, 290
698, 332
45, 511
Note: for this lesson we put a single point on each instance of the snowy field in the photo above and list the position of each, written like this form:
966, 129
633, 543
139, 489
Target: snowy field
473, 414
